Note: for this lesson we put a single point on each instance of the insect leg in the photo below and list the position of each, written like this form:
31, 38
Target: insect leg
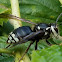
48, 42
8, 46
36, 44
26, 51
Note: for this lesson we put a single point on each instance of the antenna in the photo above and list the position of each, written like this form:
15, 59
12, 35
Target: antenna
58, 17
15, 17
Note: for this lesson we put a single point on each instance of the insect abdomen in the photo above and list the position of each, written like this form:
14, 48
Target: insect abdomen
19, 33
22, 31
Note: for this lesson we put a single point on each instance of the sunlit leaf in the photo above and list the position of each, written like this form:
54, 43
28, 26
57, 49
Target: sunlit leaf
52, 54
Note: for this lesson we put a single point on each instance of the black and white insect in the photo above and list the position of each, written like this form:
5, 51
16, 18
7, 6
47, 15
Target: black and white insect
25, 33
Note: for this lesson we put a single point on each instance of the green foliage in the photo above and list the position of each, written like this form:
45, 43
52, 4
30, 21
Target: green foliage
3, 42
5, 3
52, 54
3, 9
4, 57
40, 10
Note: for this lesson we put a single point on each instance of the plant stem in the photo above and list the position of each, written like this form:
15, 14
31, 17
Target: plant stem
16, 12
60, 1
16, 24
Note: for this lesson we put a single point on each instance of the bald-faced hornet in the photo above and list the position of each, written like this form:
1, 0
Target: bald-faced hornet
25, 33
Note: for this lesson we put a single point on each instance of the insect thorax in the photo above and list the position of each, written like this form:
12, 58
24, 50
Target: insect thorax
43, 27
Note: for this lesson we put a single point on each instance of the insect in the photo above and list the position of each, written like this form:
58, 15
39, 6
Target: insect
25, 33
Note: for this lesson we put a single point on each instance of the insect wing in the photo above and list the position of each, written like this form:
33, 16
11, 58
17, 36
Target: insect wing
30, 36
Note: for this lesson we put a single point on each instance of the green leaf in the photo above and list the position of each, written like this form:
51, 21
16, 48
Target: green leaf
5, 3
3, 9
6, 59
42, 9
52, 54
3, 43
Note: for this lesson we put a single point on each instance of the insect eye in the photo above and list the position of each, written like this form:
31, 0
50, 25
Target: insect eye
56, 30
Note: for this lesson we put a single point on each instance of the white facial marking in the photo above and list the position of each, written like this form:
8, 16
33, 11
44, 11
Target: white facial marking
52, 28
38, 27
54, 32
